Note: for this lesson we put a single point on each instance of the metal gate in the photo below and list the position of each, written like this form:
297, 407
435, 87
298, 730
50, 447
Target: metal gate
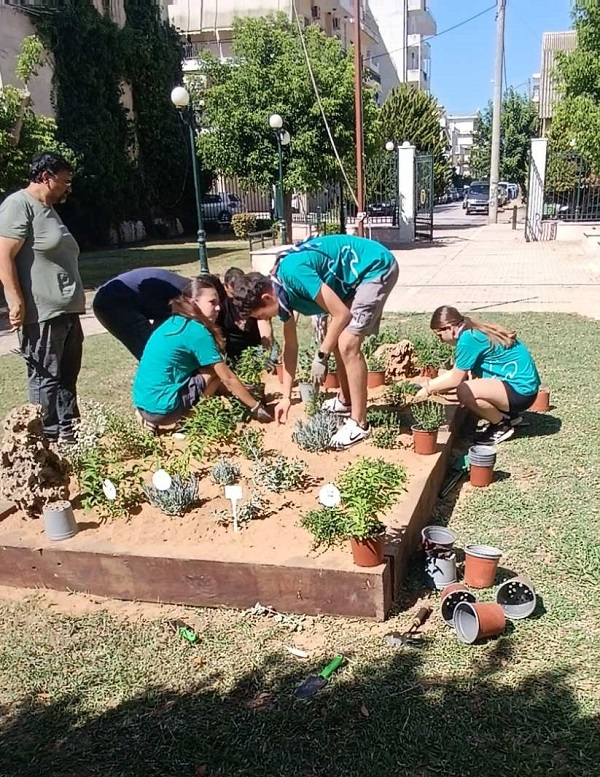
424, 196
381, 183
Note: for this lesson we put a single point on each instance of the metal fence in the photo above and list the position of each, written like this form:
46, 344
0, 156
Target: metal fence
572, 191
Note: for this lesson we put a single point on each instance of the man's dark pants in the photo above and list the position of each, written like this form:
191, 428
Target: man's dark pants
53, 351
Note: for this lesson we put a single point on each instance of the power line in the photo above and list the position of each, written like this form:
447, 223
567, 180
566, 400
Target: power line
439, 34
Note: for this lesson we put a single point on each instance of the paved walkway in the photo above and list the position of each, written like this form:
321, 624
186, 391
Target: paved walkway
476, 268
493, 268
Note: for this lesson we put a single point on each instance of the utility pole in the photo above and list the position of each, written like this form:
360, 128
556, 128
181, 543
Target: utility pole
358, 109
497, 115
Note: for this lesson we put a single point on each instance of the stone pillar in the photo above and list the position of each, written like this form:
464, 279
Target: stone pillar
535, 189
406, 192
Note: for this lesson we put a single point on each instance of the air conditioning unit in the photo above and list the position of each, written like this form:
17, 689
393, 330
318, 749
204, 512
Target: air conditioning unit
336, 22
316, 12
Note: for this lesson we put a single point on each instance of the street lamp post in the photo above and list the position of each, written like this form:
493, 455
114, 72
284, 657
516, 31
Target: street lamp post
283, 139
180, 98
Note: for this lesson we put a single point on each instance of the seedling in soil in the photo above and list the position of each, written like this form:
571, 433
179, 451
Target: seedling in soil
315, 434
395, 395
175, 500
382, 418
250, 441
209, 424
428, 415
225, 472
385, 437
280, 473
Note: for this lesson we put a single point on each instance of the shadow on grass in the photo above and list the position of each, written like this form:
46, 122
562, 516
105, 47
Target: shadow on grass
539, 425
388, 719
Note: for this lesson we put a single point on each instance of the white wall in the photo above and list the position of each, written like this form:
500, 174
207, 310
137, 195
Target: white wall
15, 26
390, 19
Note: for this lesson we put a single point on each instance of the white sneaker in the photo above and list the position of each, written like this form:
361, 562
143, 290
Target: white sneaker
336, 406
349, 434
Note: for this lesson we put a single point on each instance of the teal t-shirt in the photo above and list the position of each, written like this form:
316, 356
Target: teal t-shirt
513, 365
343, 262
174, 352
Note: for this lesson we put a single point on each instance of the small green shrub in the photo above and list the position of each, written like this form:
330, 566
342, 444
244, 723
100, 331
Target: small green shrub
331, 228
225, 472
370, 485
303, 369
250, 441
410, 389
428, 415
395, 395
376, 363
431, 352
95, 466
280, 473
250, 365
385, 437
181, 495
210, 424
326, 525
315, 434
242, 224
377, 418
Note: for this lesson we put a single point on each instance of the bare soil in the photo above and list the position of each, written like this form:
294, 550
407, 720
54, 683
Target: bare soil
276, 538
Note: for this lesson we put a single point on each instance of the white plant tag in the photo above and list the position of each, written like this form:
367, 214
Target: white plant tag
109, 490
329, 495
234, 494
161, 480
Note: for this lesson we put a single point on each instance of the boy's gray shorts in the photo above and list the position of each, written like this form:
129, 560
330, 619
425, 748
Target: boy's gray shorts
369, 301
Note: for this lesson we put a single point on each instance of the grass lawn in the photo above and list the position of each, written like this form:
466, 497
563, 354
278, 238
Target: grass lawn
106, 691
181, 257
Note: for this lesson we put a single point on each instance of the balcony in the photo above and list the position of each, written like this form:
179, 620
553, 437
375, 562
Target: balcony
418, 41
420, 19
418, 79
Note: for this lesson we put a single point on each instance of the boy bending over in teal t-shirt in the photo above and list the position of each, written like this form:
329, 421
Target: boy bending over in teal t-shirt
347, 277
183, 361
506, 378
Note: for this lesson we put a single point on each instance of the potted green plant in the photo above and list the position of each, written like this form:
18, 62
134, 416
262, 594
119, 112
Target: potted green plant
249, 368
376, 371
306, 387
431, 355
367, 488
331, 379
428, 417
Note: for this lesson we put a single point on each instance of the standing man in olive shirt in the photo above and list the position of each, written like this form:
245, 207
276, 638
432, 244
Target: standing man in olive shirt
39, 269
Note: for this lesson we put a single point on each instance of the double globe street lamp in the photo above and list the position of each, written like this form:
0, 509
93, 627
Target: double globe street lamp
180, 97
283, 139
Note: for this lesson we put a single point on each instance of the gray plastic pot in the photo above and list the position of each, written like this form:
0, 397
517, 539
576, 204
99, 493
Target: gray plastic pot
517, 598
438, 536
440, 572
59, 521
482, 455
451, 598
473, 621
307, 391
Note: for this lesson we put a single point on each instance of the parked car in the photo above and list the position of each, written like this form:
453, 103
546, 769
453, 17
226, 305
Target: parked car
478, 198
453, 194
382, 208
221, 207
503, 197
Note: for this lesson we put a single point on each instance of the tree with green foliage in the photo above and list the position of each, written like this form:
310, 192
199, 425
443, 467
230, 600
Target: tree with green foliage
22, 132
519, 124
269, 74
414, 116
576, 120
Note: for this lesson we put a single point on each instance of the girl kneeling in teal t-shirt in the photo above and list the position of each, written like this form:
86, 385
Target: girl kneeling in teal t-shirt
182, 361
505, 379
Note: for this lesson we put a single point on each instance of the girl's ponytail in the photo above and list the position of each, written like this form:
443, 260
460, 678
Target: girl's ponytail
446, 315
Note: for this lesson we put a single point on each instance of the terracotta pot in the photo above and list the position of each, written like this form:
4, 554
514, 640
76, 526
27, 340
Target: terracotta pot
517, 597
375, 379
331, 381
481, 477
452, 595
542, 402
425, 442
367, 553
279, 371
474, 621
481, 564
428, 372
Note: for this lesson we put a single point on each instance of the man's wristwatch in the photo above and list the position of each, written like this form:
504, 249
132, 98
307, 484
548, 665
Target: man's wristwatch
322, 355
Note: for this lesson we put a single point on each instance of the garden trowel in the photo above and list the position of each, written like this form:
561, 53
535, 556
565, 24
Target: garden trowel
314, 683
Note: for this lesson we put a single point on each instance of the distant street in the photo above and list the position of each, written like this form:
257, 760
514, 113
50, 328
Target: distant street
453, 215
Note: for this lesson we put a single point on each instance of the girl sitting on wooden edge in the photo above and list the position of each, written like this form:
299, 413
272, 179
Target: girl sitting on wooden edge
504, 381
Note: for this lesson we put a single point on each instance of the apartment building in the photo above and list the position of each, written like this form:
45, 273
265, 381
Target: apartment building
460, 129
549, 95
393, 32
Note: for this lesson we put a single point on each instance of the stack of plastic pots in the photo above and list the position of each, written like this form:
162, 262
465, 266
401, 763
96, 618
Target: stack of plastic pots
440, 558
482, 459
59, 521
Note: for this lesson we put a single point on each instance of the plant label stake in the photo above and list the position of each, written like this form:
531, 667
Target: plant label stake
234, 494
329, 495
314, 683
109, 490
161, 480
